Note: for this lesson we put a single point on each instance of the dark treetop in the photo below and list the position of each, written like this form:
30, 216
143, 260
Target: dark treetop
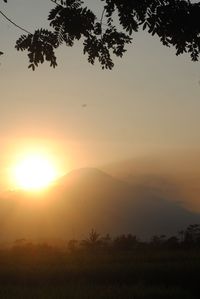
175, 22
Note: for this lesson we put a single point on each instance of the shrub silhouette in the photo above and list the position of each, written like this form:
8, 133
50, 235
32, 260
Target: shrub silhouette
93, 241
72, 245
192, 235
125, 242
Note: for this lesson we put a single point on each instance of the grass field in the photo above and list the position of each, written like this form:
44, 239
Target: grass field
46, 273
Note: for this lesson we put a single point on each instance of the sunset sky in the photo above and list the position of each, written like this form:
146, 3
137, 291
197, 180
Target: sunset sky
83, 116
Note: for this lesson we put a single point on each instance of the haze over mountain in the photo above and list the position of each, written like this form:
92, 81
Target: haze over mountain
174, 174
90, 198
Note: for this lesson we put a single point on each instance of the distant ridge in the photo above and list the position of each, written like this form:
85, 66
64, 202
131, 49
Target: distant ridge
85, 173
90, 198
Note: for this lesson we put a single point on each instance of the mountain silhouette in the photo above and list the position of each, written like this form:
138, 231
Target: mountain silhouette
90, 198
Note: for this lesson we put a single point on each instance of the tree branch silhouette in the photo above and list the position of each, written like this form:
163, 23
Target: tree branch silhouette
174, 22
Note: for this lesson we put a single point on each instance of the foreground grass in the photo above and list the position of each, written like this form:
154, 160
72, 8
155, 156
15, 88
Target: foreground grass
36, 273
92, 291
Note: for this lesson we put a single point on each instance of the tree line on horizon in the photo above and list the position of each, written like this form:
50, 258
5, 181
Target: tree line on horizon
185, 239
188, 238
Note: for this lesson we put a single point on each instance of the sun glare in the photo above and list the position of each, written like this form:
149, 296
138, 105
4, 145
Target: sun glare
34, 172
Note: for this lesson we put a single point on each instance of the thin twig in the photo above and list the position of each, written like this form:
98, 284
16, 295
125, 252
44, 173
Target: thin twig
8, 19
21, 28
102, 15
101, 21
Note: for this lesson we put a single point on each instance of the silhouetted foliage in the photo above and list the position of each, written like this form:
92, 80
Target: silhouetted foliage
40, 46
93, 241
125, 242
72, 245
158, 241
106, 241
172, 243
192, 235
174, 22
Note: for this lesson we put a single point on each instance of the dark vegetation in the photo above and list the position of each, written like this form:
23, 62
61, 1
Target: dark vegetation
174, 22
104, 267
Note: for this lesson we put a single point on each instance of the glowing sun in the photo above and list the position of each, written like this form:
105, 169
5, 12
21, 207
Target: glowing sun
34, 172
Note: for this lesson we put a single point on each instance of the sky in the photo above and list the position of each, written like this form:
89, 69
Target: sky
148, 104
